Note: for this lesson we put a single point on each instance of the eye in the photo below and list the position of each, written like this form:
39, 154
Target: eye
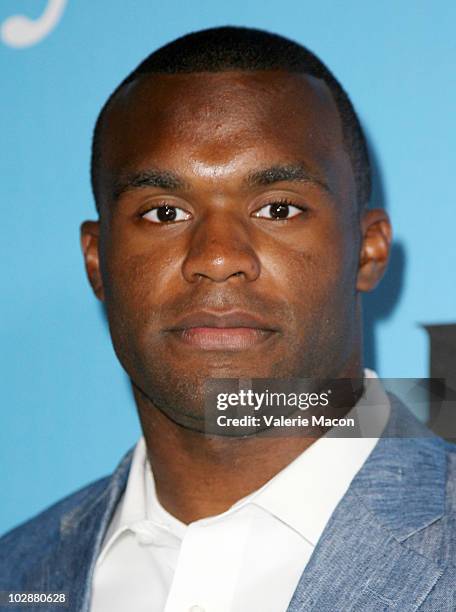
279, 210
166, 214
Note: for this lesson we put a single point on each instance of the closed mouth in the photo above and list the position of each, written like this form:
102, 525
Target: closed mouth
232, 331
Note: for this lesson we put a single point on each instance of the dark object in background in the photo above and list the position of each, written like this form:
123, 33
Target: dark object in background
442, 372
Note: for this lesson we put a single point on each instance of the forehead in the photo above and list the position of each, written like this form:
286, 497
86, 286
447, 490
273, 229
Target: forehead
218, 120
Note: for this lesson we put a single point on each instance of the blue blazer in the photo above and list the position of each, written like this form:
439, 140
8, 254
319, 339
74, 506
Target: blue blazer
390, 545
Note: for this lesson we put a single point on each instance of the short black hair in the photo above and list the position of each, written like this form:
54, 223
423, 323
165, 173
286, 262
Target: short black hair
236, 48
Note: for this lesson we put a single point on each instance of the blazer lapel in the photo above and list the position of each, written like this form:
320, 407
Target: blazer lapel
362, 562
69, 567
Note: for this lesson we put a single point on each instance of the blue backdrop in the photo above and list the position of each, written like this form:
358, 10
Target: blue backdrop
67, 412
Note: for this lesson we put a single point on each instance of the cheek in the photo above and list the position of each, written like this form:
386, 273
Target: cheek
137, 277
135, 284
317, 267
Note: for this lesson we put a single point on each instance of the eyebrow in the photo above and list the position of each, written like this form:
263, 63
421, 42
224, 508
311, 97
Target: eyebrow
161, 179
166, 179
288, 173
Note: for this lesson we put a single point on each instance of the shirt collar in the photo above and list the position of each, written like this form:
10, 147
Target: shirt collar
305, 493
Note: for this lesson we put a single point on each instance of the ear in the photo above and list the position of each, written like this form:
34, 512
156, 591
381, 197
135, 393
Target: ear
375, 248
90, 233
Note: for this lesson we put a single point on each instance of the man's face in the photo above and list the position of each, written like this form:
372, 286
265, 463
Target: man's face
229, 235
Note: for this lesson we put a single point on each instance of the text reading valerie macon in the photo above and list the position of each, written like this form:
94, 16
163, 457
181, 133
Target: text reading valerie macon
307, 407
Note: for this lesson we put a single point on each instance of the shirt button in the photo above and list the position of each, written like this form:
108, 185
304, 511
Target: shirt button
196, 609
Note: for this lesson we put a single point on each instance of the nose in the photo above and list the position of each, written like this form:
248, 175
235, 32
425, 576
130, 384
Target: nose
220, 248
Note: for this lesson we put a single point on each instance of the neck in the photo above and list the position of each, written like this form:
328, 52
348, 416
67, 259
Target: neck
197, 475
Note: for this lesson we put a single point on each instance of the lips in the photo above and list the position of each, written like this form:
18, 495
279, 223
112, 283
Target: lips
232, 331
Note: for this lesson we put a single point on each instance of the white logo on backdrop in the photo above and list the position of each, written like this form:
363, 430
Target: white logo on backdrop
20, 31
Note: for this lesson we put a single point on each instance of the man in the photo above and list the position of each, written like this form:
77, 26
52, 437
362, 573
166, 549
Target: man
234, 241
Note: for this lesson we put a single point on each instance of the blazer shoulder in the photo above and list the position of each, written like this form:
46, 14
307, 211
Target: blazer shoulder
38, 535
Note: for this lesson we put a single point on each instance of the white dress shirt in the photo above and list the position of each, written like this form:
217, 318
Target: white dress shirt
247, 558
